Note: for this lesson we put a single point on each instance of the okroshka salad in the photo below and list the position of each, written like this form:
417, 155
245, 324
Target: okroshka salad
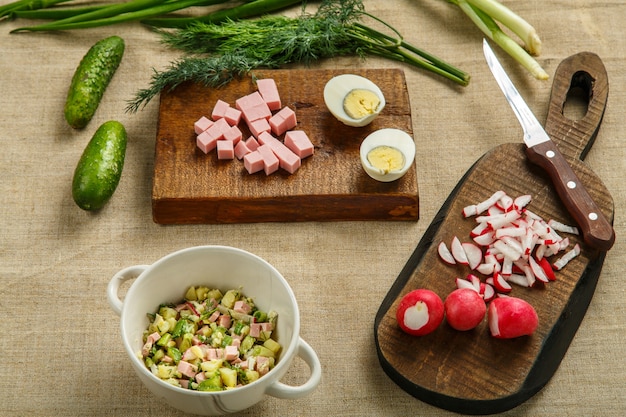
210, 341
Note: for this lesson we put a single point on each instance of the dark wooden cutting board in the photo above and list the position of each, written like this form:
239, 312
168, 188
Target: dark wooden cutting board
191, 187
472, 372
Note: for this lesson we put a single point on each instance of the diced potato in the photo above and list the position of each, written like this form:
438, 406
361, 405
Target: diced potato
272, 345
211, 366
229, 377
191, 294
167, 312
201, 293
249, 376
167, 371
230, 297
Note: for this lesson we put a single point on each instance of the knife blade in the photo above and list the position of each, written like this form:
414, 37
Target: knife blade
597, 231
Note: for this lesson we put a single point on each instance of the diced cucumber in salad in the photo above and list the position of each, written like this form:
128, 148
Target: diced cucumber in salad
210, 341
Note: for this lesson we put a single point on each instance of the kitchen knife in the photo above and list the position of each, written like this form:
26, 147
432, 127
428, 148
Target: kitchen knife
542, 151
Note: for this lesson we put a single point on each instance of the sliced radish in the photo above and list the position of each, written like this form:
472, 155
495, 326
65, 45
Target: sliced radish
547, 268
505, 203
486, 268
517, 279
480, 229
521, 201
491, 201
458, 252
506, 250
488, 292
500, 284
475, 281
565, 259
470, 211
473, 254
537, 270
464, 283
485, 239
563, 227
445, 253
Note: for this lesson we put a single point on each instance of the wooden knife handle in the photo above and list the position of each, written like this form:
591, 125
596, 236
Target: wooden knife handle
596, 229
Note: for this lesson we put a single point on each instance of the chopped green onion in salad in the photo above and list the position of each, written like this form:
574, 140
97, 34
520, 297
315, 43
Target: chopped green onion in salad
210, 341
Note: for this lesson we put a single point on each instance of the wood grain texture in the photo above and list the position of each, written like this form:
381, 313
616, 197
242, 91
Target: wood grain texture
472, 372
191, 187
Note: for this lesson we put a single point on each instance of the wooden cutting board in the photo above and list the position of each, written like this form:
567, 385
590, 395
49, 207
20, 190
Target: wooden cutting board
472, 372
192, 187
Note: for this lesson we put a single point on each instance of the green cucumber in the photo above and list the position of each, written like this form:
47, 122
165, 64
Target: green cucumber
100, 167
91, 78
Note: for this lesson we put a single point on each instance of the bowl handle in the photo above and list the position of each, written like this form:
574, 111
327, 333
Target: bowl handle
281, 390
118, 279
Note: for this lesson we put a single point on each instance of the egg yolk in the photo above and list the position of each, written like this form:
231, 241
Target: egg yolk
386, 158
360, 103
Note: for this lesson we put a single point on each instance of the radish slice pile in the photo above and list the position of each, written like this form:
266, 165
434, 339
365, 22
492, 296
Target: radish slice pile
510, 245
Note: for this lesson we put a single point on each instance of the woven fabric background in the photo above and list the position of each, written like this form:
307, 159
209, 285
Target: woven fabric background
61, 348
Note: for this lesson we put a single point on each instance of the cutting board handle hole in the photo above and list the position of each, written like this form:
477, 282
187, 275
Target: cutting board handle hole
578, 96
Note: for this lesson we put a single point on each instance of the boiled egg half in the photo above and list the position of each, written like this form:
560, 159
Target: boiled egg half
353, 100
387, 154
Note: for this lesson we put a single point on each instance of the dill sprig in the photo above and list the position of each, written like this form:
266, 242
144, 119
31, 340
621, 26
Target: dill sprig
218, 53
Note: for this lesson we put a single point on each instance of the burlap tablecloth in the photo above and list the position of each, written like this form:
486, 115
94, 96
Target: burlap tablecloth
60, 345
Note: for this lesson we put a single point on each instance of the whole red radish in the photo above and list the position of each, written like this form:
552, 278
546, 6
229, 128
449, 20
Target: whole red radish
464, 309
420, 312
511, 317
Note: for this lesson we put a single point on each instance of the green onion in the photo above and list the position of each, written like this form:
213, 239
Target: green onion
485, 14
250, 9
118, 13
15, 6
54, 13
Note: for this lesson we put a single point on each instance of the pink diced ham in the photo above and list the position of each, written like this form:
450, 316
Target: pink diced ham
253, 162
283, 121
200, 376
242, 307
253, 107
259, 126
184, 383
232, 116
299, 143
219, 110
231, 353
187, 369
224, 321
252, 143
225, 150
241, 150
288, 160
262, 365
202, 124
233, 134
145, 350
271, 162
214, 316
255, 329
269, 91
267, 327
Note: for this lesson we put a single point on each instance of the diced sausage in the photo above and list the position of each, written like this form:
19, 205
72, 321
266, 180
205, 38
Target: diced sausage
225, 150
269, 91
283, 121
253, 162
299, 143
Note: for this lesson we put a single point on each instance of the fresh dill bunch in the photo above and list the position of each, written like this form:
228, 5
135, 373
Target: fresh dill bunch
219, 52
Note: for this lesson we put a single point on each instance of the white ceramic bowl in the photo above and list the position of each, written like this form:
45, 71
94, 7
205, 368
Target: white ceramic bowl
219, 267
